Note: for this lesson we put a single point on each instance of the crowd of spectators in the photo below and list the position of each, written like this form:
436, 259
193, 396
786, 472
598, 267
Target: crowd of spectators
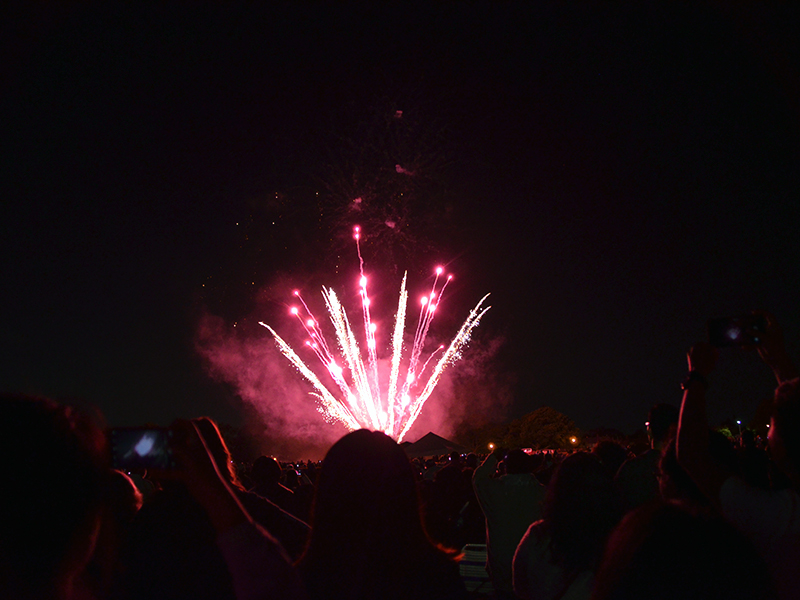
696, 515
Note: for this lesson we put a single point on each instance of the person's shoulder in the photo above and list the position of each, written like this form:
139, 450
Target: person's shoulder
765, 515
537, 531
736, 490
530, 480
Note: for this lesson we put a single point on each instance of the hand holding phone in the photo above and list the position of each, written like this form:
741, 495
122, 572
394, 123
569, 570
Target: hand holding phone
744, 330
772, 350
141, 447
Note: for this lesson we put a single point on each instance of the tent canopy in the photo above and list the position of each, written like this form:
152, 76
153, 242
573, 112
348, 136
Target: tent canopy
432, 445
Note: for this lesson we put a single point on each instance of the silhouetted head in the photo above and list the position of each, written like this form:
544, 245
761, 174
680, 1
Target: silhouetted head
367, 539
579, 510
56, 465
748, 438
516, 461
292, 478
662, 422
610, 454
471, 462
266, 469
366, 494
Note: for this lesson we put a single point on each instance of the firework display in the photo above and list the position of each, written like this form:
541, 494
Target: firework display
361, 398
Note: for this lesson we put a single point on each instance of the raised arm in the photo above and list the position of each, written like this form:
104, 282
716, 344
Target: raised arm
488, 467
257, 563
773, 351
692, 440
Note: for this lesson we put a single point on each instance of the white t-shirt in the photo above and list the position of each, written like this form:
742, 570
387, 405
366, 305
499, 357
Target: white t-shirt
766, 516
537, 577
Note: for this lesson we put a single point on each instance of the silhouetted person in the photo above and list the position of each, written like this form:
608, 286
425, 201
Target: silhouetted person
510, 504
266, 474
290, 531
769, 517
194, 539
367, 537
637, 479
558, 555
447, 495
611, 455
664, 552
54, 470
753, 461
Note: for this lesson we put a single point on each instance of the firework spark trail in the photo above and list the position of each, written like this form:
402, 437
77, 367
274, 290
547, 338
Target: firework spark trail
369, 327
336, 409
427, 310
361, 403
397, 351
452, 353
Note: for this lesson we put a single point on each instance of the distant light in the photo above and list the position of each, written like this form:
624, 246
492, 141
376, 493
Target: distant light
573, 439
738, 422
491, 446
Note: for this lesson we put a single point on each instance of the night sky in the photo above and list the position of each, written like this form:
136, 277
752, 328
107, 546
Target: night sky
613, 173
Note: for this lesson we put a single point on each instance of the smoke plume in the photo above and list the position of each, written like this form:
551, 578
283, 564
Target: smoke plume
286, 419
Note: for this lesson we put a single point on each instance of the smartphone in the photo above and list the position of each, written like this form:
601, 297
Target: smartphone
141, 447
745, 330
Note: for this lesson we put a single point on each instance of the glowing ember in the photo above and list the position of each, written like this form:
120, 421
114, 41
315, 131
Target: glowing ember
362, 401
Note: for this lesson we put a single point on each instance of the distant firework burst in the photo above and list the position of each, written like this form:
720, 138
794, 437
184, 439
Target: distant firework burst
361, 401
